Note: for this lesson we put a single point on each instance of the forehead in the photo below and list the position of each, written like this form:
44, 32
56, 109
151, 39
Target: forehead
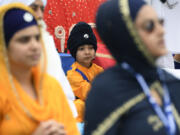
29, 31
37, 2
146, 13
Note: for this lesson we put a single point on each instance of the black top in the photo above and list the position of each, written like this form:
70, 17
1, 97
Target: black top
117, 96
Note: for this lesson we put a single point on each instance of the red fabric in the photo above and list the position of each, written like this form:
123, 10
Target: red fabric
66, 13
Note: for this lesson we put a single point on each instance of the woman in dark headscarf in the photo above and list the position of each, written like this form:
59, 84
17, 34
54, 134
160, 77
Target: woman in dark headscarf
134, 97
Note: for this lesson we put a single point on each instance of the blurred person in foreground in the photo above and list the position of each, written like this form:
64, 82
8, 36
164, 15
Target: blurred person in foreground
31, 101
54, 66
134, 97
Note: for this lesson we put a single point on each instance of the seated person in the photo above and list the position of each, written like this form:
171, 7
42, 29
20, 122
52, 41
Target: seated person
82, 44
31, 101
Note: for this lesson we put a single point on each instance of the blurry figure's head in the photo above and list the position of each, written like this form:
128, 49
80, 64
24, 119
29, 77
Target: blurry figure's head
151, 31
38, 8
22, 38
131, 30
81, 35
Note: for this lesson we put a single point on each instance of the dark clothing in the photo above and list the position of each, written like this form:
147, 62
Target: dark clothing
116, 104
176, 65
112, 90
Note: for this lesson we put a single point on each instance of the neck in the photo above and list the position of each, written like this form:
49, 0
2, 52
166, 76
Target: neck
23, 75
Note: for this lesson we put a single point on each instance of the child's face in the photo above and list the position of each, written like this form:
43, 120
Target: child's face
85, 54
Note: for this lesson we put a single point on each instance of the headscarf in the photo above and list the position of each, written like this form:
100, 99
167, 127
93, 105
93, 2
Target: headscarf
26, 2
20, 18
115, 25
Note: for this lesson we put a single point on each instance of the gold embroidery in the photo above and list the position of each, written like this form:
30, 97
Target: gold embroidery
104, 55
117, 113
125, 11
155, 122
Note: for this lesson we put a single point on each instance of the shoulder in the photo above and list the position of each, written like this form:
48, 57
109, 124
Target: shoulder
97, 67
48, 78
113, 86
50, 85
110, 90
112, 78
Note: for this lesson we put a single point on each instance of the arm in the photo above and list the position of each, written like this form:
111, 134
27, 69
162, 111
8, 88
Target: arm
80, 86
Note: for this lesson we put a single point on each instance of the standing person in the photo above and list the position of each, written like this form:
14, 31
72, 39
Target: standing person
54, 66
31, 101
82, 44
134, 97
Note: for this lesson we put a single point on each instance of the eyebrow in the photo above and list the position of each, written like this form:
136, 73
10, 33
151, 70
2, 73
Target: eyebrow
27, 36
36, 5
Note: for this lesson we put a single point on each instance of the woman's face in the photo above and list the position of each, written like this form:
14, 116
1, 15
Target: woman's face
24, 48
150, 30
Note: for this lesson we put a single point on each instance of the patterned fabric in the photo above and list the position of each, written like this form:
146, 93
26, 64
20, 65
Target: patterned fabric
60, 17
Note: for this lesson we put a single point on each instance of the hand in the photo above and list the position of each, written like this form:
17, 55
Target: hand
50, 127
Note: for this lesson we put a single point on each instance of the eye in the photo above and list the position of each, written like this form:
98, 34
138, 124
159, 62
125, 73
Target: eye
34, 7
90, 47
149, 26
161, 21
37, 37
81, 48
24, 39
42, 8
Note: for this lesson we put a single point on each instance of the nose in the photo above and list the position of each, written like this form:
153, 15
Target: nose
35, 44
39, 13
160, 30
87, 51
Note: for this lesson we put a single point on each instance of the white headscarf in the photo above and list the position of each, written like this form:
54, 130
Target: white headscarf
26, 2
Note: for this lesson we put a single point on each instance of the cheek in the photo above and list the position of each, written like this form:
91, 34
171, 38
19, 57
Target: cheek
148, 40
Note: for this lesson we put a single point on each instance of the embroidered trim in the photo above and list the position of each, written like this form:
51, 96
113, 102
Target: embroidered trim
108, 122
125, 11
104, 55
117, 113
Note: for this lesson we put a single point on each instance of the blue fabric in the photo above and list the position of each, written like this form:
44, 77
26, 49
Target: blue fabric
83, 75
135, 6
176, 65
81, 127
67, 60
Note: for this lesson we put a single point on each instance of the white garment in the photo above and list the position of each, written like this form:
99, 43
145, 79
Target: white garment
166, 61
174, 72
26, 2
54, 67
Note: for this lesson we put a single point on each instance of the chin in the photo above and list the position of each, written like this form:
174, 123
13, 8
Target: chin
33, 64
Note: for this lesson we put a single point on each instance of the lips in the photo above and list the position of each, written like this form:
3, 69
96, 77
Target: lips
35, 56
161, 42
